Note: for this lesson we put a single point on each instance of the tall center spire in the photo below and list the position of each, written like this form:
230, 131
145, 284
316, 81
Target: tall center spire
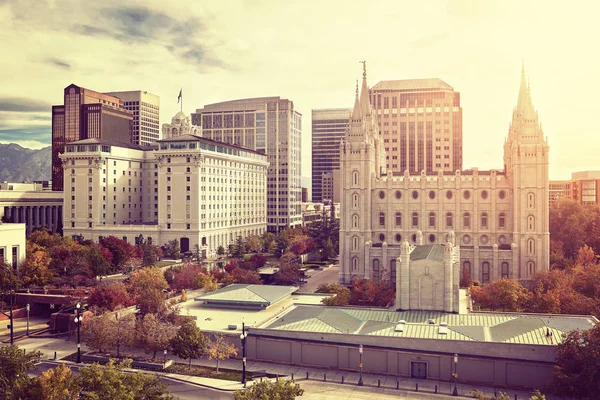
364, 92
356, 113
525, 105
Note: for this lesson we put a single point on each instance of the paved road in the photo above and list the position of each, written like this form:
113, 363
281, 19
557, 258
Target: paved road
329, 275
181, 390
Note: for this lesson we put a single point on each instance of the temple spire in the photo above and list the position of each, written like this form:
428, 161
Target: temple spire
364, 92
524, 104
356, 113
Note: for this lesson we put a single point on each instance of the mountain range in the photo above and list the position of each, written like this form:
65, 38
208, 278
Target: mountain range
19, 164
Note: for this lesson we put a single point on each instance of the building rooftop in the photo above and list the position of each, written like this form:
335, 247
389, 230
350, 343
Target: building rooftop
107, 143
428, 252
196, 138
413, 84
249, 295
482, 327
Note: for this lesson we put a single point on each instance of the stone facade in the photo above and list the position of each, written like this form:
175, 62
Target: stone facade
500, 217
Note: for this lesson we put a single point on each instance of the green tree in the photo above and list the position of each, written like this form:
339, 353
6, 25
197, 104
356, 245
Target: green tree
112, 382
149, 253
219, 348
14, 364
172, 249
189, 342
239, 249
96, 332
122, 329
341, 294
36, 271
279, 390
268, 240
577, 369
254, 243
220, 250
99, 264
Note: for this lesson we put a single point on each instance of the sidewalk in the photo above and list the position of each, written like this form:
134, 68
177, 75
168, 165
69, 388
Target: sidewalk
316, 376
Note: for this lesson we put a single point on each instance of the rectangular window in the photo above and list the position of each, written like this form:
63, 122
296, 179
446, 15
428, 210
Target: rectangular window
15, 256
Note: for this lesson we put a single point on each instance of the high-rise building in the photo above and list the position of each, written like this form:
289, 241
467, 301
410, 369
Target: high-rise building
145, 108
498, 218
186, 188
584, 187
272, 126
328, 128
86, 114
420, 122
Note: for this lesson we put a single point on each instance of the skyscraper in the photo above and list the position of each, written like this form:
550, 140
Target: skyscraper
145, 108
86, 114
272, 126
328, 128
420, 121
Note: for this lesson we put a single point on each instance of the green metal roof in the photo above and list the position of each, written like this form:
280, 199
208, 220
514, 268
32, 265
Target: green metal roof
428, 252
482, 327
248, 294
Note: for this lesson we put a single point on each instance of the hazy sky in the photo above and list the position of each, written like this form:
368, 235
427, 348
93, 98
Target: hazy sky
308, 51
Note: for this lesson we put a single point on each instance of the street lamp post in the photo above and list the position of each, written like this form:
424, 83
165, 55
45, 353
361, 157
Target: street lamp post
243, 336
165, 356
455, 375
78, 322
360, 353
28, 307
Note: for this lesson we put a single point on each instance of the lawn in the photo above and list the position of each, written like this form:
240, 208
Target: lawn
164, 263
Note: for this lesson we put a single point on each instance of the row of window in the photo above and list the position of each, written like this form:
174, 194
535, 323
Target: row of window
483, 222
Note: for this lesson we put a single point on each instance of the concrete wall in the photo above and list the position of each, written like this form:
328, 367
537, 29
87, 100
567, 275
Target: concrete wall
497, 364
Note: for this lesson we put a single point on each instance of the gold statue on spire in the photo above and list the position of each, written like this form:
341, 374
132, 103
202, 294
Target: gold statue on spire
364, 63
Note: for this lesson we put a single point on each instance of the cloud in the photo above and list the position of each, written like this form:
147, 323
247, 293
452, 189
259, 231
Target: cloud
22, 104
58, 63
41, 134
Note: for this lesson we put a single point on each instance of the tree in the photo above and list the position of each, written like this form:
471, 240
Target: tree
505, 294
577, 369
288, 274
189, 342
183, 278
14, 364
328, 251
219, 348
96, 332
110, 296
35, 270
367, 292
44, 238
148, 286
122, 251
268, 240
341, 294
149, 253
239, 249
586, 256
154, 334
279, 390
122, 329
205, 281
112, 382
172, 249
570, 222
239, 275
259, 260
220, 250
98, 262
481, 396
59, 383
254, 243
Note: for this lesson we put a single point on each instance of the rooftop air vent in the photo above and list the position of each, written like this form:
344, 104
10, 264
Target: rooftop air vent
443, 329
431, 322
400, 326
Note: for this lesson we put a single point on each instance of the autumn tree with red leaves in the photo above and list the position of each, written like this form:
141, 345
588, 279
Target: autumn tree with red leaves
110, 297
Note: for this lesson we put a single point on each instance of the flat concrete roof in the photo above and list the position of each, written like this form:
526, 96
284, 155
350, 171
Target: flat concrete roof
482, 327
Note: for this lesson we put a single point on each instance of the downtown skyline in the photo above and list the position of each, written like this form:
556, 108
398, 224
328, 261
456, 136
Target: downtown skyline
234, 50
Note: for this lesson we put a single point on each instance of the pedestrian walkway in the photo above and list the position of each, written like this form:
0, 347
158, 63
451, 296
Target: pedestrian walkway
340, 379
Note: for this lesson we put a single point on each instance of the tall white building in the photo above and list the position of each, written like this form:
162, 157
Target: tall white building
146, 109
269, 125
188, 188
499, 218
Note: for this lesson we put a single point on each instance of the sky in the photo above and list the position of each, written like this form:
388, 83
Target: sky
308, 51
